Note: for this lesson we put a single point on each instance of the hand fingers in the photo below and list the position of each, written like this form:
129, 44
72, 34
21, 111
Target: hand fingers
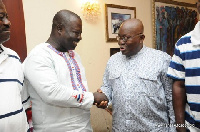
99, 90
103, 104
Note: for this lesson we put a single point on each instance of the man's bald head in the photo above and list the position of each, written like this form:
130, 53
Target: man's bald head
131, 37
63, 17
134, 24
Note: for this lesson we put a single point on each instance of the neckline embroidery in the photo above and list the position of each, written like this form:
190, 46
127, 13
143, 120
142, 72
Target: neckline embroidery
77, 69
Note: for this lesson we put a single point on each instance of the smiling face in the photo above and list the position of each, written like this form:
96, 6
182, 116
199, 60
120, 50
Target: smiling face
132, 31
69, 33
4, 24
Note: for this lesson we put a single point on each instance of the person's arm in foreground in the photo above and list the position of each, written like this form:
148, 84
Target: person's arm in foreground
39, 70
179, 101
105, 88
100, 102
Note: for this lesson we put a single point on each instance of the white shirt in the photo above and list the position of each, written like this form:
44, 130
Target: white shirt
56, 106
12, 113
140, 91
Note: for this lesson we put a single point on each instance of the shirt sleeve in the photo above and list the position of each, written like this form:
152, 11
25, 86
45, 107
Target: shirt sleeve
25, 96
40, 72
176, 68
167, 85
106, 87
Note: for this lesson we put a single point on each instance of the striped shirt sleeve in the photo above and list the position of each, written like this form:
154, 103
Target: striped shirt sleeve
176, 68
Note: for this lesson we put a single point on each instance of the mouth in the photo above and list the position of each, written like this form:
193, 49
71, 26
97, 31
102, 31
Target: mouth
122, 48
5, 30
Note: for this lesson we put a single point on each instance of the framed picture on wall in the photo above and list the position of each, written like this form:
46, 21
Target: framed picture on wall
115, 15
171, 20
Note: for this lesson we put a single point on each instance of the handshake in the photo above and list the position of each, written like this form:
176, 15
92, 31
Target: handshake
100, 99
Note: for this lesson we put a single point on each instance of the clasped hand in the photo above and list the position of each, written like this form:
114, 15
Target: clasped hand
100, 99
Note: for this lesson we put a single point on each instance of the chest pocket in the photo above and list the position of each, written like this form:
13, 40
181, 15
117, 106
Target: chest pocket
149, 84
113, 76
114, 72
114, 80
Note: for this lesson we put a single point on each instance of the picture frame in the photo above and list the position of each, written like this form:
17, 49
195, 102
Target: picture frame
171, 20
115, 15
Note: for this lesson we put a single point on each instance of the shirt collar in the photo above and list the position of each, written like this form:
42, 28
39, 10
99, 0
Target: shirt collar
195, 34
139, 53
70, 52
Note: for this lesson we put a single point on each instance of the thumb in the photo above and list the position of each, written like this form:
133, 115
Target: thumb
99, 90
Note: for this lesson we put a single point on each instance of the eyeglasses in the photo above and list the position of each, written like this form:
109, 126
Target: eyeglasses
126, 38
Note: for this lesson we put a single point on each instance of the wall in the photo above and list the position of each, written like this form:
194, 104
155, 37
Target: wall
93, 48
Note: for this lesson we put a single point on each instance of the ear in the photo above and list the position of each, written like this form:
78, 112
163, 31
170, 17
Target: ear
59, 28
142, 37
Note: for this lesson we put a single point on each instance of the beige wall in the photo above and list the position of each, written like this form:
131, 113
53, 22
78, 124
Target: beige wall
93, 48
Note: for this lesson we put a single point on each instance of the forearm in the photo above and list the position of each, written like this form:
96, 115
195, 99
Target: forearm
106, 88
179, 102
105, 92
63, 96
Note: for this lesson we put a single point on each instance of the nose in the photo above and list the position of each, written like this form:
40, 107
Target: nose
6, 22
121, 42
80, 37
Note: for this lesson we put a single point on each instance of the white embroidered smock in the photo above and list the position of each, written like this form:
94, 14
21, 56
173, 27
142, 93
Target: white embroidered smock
59, 102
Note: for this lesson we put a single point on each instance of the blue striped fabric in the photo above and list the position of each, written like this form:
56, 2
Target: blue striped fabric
194, 106
177, 66
191, 72
191, 55
184, 40
26, 100
11, 113
185, 66
192, 89
13, 56
175, 78
11, 80
191, 120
